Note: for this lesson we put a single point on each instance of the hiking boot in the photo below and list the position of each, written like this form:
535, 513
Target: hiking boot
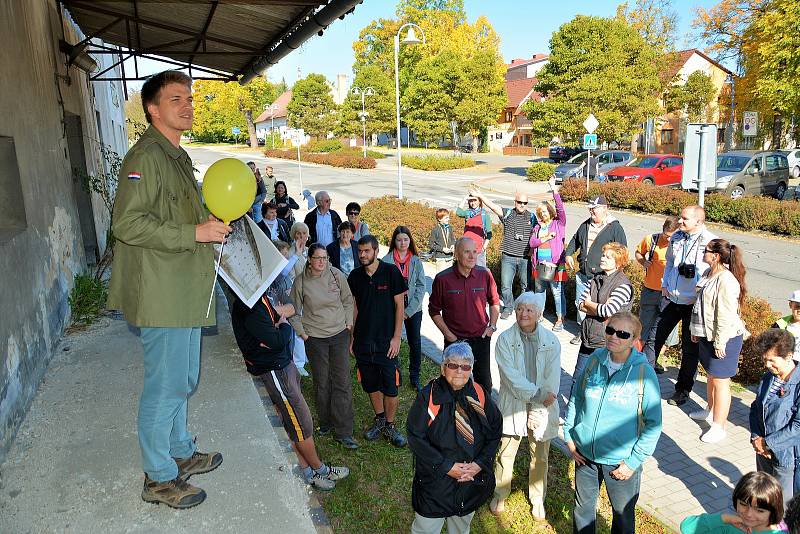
375, 430
198, 463
393, 435
575, 340
348, 442
678, 398
176, 493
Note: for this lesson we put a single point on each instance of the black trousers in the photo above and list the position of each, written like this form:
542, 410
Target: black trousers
662, 327
481, 371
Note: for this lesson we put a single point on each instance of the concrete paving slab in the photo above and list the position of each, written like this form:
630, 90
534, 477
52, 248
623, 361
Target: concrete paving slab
75, 464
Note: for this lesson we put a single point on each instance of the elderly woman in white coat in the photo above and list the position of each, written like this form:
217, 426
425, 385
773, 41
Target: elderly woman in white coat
529, 360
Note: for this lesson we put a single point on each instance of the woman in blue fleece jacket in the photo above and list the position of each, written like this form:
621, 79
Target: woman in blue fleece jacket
613, 424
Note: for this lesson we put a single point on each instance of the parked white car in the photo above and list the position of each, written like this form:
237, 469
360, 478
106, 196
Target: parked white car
793, 156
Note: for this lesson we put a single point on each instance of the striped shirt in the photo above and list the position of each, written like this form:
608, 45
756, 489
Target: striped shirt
776, 386
516, 232
618, 298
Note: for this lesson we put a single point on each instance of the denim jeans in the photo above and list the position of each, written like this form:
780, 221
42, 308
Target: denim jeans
623, 495
660, 331
649, 306
511, 267
559, 297
413, 326
788, 476
171, 372
581, 283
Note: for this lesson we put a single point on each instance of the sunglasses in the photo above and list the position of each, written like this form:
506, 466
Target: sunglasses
318, 258
353, 212
454, 366
520, 202
706, 251
622, 334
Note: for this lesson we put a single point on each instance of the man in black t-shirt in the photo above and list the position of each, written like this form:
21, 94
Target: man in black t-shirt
378, 289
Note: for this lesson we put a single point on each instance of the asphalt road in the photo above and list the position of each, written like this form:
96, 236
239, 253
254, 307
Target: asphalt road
773, 264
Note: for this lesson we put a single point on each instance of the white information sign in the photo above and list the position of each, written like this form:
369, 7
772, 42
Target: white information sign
591, 123
750, 126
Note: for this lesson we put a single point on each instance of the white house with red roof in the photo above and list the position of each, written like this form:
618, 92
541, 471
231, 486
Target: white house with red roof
264, 122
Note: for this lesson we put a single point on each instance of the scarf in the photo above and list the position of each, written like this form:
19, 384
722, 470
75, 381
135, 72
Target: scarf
464, 405
473, 212
404, 266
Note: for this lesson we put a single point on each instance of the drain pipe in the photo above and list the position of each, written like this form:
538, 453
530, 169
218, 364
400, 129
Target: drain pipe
315, 24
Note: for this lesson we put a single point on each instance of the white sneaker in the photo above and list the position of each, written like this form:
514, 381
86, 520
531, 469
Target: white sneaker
701, 415
715, 434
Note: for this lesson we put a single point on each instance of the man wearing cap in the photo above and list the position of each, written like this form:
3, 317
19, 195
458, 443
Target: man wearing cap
477, 224
791, 322
682, 271
514, 250
599, 229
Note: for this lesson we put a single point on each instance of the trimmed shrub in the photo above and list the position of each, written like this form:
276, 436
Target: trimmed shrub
334, 159
438, 163
324, 145
757, 316
540, 171
355, 151
750, 213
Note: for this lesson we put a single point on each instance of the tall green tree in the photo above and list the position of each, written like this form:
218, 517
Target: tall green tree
692, 97
220, 106
481, 93
134, 116
655, 20
429, 102
312, 107
601, 66
379, 106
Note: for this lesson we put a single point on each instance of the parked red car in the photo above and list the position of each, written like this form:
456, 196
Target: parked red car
654, 169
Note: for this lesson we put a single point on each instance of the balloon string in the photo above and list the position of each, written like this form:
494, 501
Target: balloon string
214, 283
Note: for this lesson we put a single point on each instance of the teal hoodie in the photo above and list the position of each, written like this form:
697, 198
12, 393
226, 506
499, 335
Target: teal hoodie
602, 419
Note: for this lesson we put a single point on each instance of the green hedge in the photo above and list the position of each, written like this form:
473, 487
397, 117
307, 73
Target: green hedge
438, 163
385, 213
749, 213
335, 159
324, 145
540, 171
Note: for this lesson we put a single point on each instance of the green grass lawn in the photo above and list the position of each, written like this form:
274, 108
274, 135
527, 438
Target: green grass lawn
377, 495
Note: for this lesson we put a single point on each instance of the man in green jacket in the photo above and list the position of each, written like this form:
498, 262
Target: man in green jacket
162, 276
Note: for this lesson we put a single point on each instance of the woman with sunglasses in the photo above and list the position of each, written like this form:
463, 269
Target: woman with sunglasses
718, 329
324, 319
353, 211
608, 293
453, 432
403, 254
529, 361
612, 426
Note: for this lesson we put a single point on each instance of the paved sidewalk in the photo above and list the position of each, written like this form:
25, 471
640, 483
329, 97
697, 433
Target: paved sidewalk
75, 463
685, 476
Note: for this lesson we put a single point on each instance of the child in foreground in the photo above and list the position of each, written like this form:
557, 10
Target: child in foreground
758, 501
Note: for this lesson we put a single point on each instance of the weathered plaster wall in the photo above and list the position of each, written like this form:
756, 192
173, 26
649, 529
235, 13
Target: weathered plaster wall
38, 264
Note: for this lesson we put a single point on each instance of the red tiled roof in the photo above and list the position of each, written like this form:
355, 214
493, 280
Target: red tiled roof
282, 101
517, 90
518, 62
683, 56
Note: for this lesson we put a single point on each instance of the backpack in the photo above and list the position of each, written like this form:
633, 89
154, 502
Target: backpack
639, 413
433, 409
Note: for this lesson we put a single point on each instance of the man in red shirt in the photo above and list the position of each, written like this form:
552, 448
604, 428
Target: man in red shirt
458, 303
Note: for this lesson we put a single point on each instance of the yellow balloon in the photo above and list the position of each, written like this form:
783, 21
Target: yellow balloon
229, 189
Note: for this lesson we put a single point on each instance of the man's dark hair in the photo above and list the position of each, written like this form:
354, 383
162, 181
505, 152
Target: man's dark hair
151, 89
369, 240
671, 223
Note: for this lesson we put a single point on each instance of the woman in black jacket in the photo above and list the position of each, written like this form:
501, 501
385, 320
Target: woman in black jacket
285, 203
454, 431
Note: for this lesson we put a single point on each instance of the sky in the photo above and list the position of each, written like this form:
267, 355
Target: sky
524, 27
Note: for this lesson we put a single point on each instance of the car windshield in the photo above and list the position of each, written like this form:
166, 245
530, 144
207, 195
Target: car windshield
731, 163
644, 163
578, 158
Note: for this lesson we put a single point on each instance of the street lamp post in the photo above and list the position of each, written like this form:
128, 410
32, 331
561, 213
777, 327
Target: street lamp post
272, 108
729, 145
368, 91
411, 39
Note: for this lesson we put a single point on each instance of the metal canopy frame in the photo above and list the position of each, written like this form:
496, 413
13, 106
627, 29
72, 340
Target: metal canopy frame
205, 41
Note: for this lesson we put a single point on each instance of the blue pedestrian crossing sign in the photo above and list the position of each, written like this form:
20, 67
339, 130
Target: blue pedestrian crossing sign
589, 141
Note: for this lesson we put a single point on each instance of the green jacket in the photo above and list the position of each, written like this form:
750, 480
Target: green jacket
161, 276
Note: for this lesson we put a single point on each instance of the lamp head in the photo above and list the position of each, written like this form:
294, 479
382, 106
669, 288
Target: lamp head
369, 91
411, 37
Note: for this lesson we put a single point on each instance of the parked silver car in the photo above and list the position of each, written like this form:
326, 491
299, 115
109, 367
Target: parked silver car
748, 172
606, 160
793, 156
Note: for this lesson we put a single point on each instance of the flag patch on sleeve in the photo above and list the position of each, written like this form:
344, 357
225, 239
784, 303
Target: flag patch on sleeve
134, 176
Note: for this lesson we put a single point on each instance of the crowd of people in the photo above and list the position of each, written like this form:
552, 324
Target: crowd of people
336, 298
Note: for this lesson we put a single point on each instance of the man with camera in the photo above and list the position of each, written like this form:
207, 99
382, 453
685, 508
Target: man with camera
684, 268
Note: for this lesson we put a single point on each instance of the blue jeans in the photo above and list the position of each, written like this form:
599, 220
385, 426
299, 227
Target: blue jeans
581, 283
511, 267
171, 371
788, 475
623, 495
559, 298
413, 326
